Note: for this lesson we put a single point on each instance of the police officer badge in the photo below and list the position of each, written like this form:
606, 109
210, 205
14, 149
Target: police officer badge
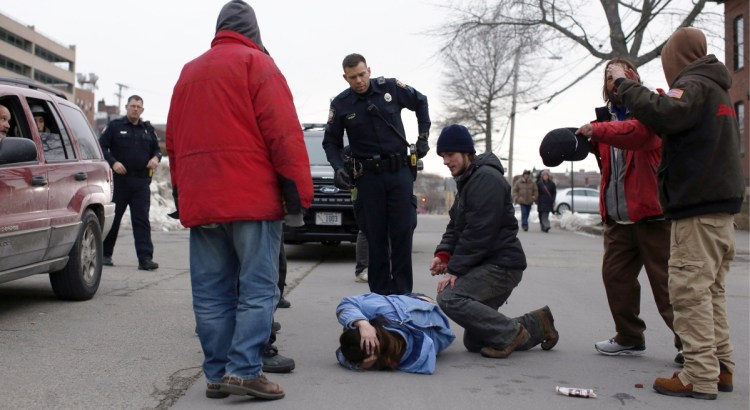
388, 97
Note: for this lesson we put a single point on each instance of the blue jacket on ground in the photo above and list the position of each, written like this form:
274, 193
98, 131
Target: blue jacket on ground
423, 326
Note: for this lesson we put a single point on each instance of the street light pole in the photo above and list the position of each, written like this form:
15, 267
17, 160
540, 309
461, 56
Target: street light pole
513, 112
572, 191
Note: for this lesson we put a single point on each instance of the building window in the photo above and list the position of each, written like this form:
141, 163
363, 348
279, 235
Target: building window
739, 43
53, 58
45, 78
14, 66
14, 40
739, 108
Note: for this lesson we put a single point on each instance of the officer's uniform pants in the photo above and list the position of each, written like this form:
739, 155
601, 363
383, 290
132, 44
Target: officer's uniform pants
133, 192
387, 211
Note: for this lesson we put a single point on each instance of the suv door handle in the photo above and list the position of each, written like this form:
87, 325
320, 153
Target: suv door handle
38, 181
81, 176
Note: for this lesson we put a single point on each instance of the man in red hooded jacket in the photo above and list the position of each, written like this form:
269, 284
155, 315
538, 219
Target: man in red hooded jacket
636, 235
238, 159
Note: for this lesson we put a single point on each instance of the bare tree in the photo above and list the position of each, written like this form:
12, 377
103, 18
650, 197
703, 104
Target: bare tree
636, 29
479, 78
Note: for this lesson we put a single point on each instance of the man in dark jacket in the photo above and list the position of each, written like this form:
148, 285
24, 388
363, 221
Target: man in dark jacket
700, 188
130, 146
481, 257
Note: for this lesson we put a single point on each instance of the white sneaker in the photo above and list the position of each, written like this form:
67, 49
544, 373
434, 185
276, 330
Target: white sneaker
362, 277
612, 348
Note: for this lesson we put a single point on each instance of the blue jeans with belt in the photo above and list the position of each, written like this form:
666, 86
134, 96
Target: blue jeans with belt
234, 322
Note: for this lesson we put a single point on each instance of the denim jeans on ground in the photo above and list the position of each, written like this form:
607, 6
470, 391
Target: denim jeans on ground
525, 211
234, 322
474, 301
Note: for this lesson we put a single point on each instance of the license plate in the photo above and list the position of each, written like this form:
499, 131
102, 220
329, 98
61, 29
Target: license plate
328, 218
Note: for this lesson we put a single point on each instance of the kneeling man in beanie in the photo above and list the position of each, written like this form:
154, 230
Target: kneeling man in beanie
481, 256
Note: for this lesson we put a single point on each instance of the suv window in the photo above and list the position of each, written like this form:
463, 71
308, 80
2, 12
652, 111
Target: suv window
55, 140
17, 128
87, 142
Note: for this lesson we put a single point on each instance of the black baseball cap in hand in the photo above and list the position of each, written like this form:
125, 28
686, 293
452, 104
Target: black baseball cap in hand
562, 144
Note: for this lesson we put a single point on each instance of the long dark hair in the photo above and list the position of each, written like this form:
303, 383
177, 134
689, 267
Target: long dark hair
392, 347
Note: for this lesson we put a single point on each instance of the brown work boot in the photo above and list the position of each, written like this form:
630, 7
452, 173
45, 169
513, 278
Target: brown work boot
259, 387
522, 336
548, 325
725, 379
674, 387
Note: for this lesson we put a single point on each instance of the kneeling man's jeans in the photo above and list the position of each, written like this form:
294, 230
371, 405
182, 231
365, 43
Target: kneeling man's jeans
474, 301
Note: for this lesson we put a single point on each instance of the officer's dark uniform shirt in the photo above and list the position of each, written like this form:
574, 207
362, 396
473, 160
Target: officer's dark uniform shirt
131, 145
368, 134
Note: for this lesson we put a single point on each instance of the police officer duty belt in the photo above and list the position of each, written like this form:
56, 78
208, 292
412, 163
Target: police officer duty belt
390, 163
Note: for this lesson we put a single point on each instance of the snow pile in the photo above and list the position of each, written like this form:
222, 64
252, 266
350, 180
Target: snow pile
574, 221
161, 202
567, 221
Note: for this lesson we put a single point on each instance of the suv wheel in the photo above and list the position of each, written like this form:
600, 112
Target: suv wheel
79, 279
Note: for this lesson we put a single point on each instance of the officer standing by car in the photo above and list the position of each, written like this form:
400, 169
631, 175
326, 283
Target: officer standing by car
132, 149
384, 167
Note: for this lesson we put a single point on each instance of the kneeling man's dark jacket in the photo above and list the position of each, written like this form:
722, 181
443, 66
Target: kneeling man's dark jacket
483, 225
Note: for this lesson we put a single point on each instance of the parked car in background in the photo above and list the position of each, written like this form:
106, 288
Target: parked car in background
55, 192
330, 219
582, 200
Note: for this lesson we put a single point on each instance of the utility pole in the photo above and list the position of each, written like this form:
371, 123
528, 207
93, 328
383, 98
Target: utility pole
513, 112
118, 94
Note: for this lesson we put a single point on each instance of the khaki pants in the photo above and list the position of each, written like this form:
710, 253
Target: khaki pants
700, 252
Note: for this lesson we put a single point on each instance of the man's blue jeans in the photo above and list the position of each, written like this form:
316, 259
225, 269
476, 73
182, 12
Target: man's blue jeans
234, 322
525, 211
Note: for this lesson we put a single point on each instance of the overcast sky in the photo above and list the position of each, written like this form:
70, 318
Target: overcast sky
144, 44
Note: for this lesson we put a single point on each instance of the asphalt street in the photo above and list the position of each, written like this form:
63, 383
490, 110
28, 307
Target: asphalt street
133, 345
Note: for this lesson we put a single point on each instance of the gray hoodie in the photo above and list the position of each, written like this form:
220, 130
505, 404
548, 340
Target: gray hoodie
239, 17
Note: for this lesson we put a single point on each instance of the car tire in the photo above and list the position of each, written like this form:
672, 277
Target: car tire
79, 279
563, 207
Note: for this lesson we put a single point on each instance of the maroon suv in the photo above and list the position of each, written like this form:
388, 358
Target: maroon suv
55, 192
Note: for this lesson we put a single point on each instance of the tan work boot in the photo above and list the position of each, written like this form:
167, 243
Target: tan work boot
725, 379
674, 387
259, 387
522, 336
548, 325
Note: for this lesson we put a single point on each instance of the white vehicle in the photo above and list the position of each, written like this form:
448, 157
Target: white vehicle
581, 200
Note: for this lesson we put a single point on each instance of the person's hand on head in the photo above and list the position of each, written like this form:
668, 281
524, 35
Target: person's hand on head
368, 337
630, 74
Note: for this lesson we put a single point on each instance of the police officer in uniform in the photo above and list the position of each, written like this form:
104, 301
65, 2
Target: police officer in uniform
132, 149
384, 167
